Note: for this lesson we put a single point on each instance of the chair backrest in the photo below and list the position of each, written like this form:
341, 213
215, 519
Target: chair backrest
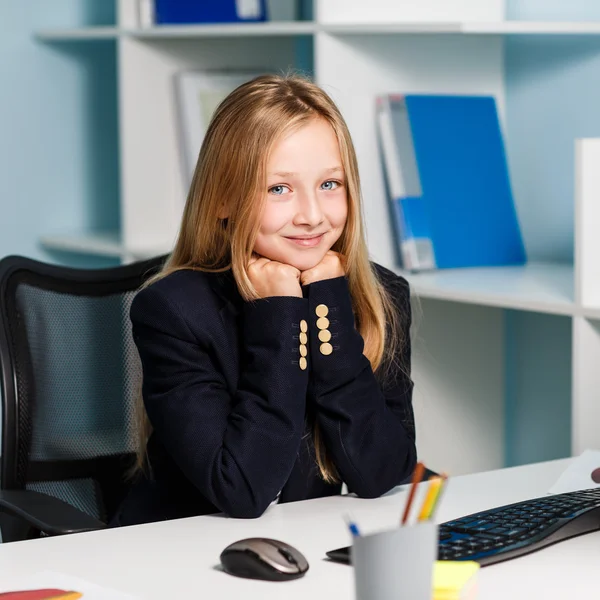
70, 376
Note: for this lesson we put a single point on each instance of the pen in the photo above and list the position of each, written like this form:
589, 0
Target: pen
417, 475
352, 527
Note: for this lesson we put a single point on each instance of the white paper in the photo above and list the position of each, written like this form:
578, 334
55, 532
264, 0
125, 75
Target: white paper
51, 579
578, 475
248, 9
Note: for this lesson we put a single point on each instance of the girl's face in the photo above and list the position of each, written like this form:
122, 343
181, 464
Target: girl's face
306, 205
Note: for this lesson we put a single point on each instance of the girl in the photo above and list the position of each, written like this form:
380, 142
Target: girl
275, 356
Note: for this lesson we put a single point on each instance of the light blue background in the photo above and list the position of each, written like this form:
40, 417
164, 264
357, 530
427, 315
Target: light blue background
58, 148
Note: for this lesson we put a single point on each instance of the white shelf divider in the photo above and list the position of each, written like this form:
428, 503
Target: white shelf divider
587, 224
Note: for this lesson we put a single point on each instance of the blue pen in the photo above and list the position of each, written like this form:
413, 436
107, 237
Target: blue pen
352, 526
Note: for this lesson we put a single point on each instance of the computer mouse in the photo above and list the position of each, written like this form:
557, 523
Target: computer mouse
263, 558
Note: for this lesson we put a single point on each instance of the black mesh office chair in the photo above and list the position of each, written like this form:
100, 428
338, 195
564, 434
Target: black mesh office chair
69, 374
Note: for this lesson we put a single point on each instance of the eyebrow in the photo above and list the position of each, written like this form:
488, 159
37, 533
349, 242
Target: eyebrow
291, 173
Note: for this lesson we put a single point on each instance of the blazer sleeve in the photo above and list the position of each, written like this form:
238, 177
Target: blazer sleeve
367, 422
237, 449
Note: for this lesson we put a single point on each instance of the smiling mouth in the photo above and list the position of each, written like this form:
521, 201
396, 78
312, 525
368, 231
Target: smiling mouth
307, 242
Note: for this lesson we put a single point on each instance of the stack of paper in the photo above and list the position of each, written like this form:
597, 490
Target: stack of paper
583, 473
455, 580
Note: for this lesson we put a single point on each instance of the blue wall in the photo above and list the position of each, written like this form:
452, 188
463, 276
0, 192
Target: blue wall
538, 380
59, 167
553, 95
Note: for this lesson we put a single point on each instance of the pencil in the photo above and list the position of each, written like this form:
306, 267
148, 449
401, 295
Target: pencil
436, 502
435, 484
417, 475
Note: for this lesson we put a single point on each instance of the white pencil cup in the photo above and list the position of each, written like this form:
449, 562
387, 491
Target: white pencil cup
396, 564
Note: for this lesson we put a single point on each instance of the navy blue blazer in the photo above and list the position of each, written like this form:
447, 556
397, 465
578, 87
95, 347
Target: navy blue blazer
231, 405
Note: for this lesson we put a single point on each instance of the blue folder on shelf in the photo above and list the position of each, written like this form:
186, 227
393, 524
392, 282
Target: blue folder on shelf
448, 182
209, 11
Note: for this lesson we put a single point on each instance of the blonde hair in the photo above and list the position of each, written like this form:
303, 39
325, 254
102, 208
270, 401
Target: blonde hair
232, 166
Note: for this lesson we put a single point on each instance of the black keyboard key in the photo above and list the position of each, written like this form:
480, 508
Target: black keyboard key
515, 532
489, 538
482, 528
498, 531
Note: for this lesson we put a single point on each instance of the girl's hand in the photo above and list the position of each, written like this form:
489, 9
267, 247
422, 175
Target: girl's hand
330, 267
272, 278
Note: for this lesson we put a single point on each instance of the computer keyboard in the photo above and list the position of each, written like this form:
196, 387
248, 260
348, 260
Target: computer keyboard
506, 532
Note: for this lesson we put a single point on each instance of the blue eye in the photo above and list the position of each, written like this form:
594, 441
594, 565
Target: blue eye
278, 190
330, 185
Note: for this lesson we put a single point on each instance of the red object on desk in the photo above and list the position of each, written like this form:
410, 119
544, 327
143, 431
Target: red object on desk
45, 594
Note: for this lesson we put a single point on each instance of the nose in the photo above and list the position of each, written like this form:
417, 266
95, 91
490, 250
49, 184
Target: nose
308, 210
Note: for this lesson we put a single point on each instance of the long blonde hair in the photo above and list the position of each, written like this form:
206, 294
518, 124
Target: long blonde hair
232, 166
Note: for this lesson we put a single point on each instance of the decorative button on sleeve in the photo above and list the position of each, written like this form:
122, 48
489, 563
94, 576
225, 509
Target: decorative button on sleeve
322, 310
324, 334
323, 323
303, 340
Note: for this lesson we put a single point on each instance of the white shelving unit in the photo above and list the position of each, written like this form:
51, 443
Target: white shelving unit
459, 347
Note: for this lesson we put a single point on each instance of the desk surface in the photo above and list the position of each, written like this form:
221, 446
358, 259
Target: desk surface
181, 557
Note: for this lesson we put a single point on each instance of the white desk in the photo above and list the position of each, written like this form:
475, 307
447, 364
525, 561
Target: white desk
180, 558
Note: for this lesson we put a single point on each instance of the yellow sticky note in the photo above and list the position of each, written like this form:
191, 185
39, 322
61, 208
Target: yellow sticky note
455, 580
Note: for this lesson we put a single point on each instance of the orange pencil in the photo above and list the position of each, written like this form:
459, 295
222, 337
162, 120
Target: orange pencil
416, 478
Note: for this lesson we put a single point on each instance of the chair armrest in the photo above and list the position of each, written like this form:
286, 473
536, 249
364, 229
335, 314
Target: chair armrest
46, 513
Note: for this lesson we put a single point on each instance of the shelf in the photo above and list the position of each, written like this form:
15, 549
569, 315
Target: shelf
105, 243
591, 313
391, 28
546, 288
500, 28
534, 28
293, 28
86, 33
99, 244
273, 29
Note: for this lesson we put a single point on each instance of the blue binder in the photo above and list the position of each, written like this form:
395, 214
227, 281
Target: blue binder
448, 179
209, 11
